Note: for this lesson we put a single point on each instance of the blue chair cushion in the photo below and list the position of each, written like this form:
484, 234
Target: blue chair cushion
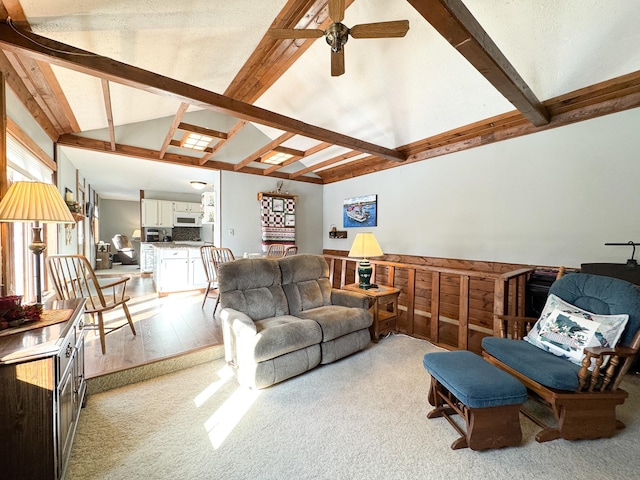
603, 296
474, 381
533, 362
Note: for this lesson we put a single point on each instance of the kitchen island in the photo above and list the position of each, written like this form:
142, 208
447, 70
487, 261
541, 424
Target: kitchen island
177, 267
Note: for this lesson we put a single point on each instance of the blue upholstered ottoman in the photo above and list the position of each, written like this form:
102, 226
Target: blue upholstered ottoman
486, 397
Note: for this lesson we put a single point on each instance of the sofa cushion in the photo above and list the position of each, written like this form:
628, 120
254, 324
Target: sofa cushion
336, 320
283, 334
252, 286
305, 280
247, 273
533, 362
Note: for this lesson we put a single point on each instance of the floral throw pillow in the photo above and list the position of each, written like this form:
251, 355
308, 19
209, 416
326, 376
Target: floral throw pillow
564, 330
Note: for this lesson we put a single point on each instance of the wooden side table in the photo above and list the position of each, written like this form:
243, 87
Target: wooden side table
385, 320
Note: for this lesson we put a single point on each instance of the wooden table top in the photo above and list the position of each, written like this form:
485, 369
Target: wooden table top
372, 292
39, 342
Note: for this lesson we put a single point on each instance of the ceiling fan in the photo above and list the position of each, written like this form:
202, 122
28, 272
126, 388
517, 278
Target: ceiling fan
337, 33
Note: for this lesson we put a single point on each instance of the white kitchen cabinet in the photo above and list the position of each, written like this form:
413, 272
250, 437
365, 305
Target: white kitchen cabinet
197, 276
178, 269
186, 207
157, 213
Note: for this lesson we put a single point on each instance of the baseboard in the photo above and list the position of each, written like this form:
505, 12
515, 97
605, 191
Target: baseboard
154, 369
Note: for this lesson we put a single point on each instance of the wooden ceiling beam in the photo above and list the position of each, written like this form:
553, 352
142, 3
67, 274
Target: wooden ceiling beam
57, 53
326, 163
460, 28
272, 58
106, 93
76, 141
14, 81
266, 148
273, 168
202, 130
297, 155
41, 81
182, 109
289, 151
233, 131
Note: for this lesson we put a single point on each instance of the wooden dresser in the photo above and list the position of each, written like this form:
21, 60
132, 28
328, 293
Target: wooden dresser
42, 387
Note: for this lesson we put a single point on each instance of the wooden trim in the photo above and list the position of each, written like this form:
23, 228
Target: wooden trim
14, 129
5, 238
278, 195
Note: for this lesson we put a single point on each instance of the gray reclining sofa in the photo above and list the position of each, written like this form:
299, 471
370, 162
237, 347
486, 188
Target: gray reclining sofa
281, 317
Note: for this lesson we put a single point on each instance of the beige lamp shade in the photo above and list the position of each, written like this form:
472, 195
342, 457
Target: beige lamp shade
136, 233
34, 201
365, 245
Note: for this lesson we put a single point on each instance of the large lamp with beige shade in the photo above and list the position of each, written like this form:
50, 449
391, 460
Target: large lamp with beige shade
365, 245
38, 203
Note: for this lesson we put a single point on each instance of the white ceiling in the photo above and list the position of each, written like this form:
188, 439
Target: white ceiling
394, 91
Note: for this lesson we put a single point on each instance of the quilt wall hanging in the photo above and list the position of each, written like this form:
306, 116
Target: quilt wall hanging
278, 218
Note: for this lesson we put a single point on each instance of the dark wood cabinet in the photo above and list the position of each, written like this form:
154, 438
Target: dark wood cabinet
42, 387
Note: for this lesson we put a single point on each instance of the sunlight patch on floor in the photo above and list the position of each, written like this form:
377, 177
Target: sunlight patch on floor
225, 373
224, 420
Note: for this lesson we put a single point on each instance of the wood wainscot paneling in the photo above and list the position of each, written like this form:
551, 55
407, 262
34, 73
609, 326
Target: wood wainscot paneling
463, 294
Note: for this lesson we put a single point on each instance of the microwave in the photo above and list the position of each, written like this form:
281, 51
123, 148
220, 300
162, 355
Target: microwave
187, 219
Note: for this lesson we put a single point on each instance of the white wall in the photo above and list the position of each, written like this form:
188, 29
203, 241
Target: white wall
553, 198
240, 212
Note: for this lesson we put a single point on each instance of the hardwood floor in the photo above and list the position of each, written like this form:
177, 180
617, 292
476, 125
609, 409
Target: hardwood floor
166, 327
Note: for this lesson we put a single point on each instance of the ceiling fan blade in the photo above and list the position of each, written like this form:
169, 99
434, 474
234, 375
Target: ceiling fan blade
336, 10
337, 63
398, 28
295, 33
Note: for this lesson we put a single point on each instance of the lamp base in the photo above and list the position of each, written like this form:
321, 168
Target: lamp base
364, 274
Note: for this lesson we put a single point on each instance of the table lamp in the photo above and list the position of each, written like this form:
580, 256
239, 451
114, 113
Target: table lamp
35, 202
365, 245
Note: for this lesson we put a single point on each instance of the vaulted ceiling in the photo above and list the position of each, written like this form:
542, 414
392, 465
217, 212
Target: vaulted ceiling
124, 81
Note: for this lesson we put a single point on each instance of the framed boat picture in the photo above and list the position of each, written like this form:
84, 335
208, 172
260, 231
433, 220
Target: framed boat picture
360, 211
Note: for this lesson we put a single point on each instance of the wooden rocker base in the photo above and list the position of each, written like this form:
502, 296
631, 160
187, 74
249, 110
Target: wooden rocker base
486, 428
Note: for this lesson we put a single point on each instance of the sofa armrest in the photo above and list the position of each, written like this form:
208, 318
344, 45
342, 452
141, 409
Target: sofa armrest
239, 322
349, 299
235, 326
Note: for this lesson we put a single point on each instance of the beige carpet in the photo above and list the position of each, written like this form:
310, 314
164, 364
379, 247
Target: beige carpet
363, 417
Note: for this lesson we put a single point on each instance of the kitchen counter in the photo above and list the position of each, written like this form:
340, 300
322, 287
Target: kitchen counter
177, 244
